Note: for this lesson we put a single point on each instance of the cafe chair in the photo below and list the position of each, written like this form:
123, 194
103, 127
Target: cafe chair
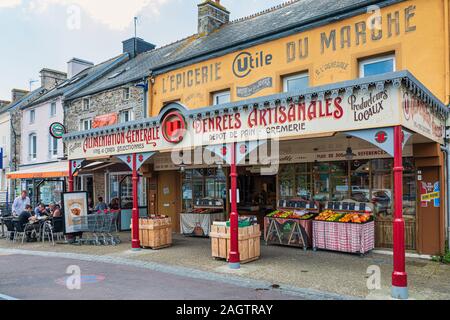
19, 231
47, 232
10, 230
58, 228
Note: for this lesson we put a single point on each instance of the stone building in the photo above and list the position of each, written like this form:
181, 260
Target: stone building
39, 165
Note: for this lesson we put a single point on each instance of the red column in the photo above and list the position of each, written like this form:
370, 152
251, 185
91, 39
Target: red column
135, 243
399, 276
234, 258
70, 176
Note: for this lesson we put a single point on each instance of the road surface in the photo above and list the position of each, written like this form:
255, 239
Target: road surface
32, 277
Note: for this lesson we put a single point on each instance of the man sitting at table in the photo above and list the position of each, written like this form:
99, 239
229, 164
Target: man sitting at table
24, 218
40, 211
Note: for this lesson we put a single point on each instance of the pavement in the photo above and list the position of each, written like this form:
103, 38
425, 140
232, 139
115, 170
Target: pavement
297, 273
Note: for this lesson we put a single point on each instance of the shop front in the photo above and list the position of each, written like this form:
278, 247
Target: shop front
45, 183
366, 153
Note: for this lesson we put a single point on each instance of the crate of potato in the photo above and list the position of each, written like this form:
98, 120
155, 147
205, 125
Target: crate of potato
249, 242
155, 233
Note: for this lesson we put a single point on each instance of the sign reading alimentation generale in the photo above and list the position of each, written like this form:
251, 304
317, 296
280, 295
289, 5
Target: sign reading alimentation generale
328, 114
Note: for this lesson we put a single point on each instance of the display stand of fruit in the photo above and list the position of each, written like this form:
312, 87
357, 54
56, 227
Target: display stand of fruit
249, 241
290, 227
344, 231
155, 232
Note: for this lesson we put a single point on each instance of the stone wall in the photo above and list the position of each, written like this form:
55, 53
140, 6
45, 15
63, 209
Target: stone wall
104, 103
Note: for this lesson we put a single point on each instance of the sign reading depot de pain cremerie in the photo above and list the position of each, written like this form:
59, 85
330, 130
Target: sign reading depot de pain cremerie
372, 109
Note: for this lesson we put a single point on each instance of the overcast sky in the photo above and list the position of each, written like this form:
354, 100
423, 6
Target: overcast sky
38, 34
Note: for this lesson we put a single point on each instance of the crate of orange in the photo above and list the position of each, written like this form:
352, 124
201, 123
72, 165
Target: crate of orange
351, 232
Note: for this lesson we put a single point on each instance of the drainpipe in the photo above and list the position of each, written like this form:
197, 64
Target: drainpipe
15, 150
144, 86
446, 150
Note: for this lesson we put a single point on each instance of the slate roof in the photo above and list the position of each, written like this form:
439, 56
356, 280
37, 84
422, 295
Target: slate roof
86, 77
27, 99
288, 18
134, 69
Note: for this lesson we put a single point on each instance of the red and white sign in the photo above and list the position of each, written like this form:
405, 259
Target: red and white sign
305, 119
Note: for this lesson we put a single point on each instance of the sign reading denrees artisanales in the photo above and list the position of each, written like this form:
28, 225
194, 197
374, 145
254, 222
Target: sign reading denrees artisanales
374, 108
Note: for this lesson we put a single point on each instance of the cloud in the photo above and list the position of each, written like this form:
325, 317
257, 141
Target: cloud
117, 15
9, 3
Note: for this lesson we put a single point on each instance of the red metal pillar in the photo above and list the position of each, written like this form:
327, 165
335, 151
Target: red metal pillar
70, 180
399, 276
135, 243
234, 258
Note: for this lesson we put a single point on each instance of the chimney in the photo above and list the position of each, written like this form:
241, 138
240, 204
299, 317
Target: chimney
211, 16
51, 78
17, 94
135, 46
75, 66
4, 103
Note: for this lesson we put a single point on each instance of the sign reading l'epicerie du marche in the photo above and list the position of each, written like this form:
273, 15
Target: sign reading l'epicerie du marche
373, 109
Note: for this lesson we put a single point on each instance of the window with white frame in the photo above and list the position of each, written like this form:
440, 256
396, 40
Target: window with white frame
126, 93
85, 124
32, 116
374, 66
52, 146
32, 146
53, 109
126, 116
86, 104
221, 97
296, 82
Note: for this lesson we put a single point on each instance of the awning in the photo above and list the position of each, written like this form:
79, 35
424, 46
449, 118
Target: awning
49, 170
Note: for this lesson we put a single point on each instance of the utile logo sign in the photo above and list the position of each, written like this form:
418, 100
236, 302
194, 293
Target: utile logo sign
245, 62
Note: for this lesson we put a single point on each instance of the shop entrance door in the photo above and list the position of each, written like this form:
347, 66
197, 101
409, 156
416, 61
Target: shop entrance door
257, 193
168, 195
428, 219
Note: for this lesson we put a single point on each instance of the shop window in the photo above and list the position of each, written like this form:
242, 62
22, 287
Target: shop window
126, 116
374, 66
296, 82
339, 180
85, 124
53, 109
203, 184
121, 187
360, 180
221, 97
32, 146
295, 182
382, 182
32, 116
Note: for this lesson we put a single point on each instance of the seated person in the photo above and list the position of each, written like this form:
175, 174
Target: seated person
50, 208
40, 211
56, 211
25, 217
101, 205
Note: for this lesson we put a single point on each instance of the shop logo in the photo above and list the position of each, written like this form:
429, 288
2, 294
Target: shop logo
57, 130
174, 127
245, 63
381, 137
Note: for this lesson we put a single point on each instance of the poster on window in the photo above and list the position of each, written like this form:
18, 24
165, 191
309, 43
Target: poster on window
75, 206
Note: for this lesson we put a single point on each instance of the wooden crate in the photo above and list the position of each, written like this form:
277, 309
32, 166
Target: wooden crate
155, 233
384, 233
249, 242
